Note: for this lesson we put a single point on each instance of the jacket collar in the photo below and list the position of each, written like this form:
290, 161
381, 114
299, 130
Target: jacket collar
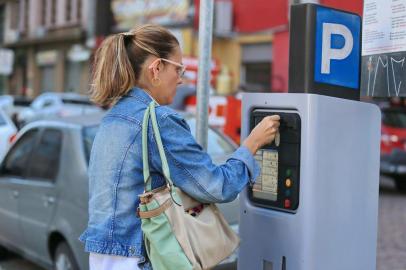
141, 95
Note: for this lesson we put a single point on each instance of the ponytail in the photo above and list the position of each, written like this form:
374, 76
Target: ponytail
113, 74
118, 61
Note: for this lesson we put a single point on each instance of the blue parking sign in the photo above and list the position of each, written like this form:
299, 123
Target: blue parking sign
337, 51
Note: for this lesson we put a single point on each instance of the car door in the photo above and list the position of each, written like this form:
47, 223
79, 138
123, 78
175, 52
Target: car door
38, 195
7, 130
13, 170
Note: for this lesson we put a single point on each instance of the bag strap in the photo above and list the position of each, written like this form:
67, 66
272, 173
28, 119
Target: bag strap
147, 175
150, 112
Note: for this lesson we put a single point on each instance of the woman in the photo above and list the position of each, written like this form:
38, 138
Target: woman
132, 69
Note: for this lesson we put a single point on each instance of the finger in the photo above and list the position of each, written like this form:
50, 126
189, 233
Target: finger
274, 130
274, 124
274, 117
271, 118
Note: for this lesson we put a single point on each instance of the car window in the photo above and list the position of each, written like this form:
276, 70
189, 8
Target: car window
47, 103
43, 102
394, 119
44, 161
15, 162
88, 137
77, 101
2, 121
216, 145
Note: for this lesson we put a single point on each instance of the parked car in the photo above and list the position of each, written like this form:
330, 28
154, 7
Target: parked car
13, 105
44, 190
59, 104
7, 132
393, 145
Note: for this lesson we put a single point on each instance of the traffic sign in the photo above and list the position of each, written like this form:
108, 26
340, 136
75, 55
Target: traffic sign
337, 48
325, 51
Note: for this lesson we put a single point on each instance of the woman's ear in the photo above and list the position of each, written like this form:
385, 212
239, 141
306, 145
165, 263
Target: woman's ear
155, 68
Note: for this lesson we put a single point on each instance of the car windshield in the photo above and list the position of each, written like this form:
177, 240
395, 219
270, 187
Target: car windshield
394, 119
216, 145
88, 137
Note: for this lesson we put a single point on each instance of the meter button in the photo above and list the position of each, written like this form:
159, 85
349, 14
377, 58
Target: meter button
287, 203
288, 183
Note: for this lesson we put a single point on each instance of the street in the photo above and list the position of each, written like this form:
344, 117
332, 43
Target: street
391, 238
392, 228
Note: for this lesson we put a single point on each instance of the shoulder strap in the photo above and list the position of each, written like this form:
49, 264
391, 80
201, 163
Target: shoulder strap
150, 111
145, 164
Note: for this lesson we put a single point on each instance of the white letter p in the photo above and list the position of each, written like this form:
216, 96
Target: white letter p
329, 53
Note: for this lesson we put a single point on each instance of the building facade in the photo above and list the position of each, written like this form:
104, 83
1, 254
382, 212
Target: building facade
48, 38
257, 47
53, 40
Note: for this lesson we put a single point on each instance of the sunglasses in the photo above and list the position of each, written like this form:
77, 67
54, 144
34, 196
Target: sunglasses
180, 67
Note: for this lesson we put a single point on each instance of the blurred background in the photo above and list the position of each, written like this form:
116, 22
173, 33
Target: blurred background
46, 52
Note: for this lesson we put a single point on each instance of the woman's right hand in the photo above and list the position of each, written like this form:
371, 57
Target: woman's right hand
263, 133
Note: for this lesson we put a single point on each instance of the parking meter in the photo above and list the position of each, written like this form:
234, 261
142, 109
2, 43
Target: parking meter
315, 204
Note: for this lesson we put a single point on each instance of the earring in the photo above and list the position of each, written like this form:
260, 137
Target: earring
156, 81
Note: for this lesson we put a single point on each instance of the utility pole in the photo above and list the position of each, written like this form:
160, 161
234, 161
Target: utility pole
203, 79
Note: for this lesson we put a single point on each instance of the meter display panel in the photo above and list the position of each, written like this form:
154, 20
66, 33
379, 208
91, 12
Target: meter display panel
277, 187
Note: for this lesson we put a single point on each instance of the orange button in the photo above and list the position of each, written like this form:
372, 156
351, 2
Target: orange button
288, 182
287, 203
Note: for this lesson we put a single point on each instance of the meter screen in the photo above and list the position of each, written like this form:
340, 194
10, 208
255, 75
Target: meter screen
266, 185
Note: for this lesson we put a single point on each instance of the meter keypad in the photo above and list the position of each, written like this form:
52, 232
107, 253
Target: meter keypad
266, 185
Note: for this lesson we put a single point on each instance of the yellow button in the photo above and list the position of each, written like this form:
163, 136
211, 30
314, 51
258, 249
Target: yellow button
288, 182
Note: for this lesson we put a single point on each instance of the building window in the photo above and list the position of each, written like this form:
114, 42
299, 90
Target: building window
258, 76
68, 10
2, 84
256, 67
2, 18
53, 12
23, 16
14, 20
43, 12
47, 78
79, 10
72, 12
73, 76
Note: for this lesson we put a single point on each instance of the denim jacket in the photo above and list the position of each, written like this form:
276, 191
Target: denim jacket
116, 177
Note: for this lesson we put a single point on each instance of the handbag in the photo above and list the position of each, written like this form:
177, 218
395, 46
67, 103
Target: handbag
180, 233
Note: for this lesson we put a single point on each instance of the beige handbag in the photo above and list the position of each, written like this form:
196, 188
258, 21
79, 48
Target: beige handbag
174, 238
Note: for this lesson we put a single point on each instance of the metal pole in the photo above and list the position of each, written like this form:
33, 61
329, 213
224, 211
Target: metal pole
91, 24
203, 79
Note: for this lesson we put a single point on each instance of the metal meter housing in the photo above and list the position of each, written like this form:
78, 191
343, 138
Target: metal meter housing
278, 185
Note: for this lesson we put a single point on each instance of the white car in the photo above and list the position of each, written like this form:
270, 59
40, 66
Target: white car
57, 104
8, 132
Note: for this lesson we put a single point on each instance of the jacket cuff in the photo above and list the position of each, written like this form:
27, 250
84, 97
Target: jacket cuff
244, 155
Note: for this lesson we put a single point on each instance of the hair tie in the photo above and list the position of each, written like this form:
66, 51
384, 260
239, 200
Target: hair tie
127, 34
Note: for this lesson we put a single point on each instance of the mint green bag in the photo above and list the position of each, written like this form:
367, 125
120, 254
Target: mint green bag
174, 239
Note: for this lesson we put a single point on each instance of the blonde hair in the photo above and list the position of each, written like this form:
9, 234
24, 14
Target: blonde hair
118, 61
